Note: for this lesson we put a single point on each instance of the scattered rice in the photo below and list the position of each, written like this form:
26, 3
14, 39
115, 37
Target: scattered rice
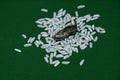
86, 35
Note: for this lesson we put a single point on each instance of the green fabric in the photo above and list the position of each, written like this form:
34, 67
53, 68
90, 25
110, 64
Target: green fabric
17, 17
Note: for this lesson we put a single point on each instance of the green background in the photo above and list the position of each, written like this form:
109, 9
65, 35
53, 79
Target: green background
17, 17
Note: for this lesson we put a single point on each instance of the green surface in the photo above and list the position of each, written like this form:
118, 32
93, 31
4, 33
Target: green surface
17, 17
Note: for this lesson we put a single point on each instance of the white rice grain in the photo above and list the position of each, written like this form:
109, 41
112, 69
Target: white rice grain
39, 36
96, 16
45, 46
51, 58
27, 45
93, 27
30, 40
73, 22
59, 56
17, 50
47, 55
57, 63
54, 14
24, 36
82, 47
46, 59
66, 57
93, 33
40, 26
36, 43
91, 44
81, 62
55, 53
76, 13
44, 10
95, 39
65, 62
44, 34
64, 12
80, 6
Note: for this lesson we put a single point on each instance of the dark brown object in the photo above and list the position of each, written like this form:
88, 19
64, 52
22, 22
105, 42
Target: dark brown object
65, 33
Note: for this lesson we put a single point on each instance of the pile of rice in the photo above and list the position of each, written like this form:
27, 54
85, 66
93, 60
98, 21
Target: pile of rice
62, 50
